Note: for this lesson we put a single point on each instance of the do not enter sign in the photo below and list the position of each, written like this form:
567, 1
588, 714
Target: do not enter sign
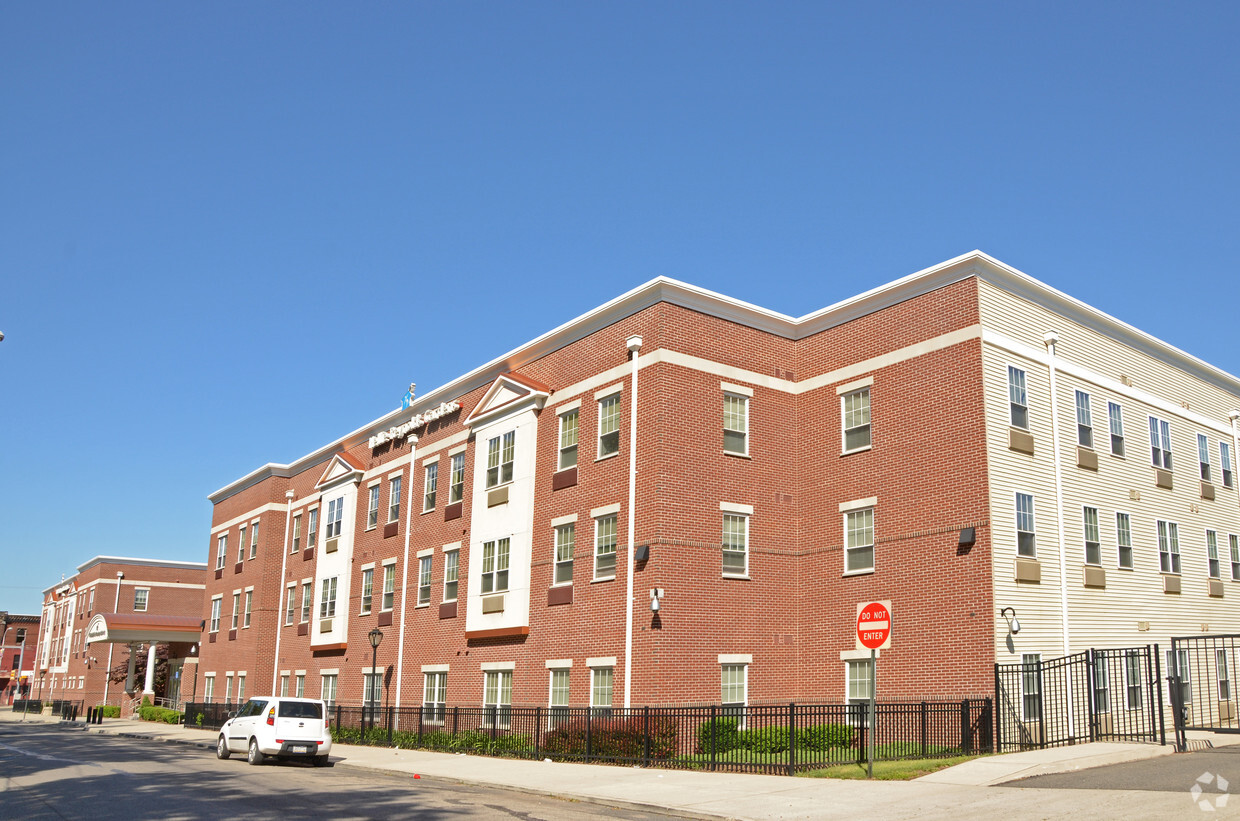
873, 625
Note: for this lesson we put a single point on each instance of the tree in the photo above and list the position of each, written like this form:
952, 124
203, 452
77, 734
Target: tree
120, 672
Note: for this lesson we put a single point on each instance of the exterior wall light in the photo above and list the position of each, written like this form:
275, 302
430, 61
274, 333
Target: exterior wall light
655, 594
1013, 623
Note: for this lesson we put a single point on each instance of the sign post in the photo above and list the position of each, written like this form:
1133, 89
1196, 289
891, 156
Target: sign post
873, 634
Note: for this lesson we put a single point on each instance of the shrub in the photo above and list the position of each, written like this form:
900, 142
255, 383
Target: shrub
148, 712
111, 710
621, 738
822, 737
725, 734
764, 740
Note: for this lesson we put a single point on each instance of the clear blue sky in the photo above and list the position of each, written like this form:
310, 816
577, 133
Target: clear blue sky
232, 232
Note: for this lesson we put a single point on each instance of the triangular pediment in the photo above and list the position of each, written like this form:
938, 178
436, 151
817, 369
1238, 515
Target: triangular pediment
507, 393
342, 467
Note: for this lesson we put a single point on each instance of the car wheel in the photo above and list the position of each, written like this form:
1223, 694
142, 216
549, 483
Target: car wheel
221, 748
320, 761
256, 755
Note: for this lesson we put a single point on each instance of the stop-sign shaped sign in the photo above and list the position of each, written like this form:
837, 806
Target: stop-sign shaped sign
874, 625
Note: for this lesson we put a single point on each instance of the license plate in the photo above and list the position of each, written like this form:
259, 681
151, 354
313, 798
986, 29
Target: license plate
300, 748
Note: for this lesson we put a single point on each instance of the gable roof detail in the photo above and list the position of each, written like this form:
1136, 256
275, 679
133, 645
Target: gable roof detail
341, 467
507, 392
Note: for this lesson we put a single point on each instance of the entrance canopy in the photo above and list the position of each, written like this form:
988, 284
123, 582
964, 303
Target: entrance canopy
128, 628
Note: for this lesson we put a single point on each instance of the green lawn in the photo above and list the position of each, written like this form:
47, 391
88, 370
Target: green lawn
891, 770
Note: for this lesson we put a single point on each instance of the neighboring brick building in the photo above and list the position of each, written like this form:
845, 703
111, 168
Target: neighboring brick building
895, 446
72, 664
19, 645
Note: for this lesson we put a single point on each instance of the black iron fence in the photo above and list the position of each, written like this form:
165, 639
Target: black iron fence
27, 705
1202, 676
1095, 695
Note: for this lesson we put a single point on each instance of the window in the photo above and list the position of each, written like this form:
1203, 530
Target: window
296, 533
372, 691
568, 440
1026, 544
1084, 421
236, 611
859, 540
431, 484
1018, 398
1031, 686
1160, 443
372, 507
424, 580
327, 600
450, 570
497, 698
1116, 417
329, 689
394, 499
220, 550
1123, 538
1203, 457
1224, 462
605, 547
1133, 680
283, 686
290, 604
301, 685
312, 532
500, 455
456, 490
735, 424
609, 425
1102, 684
215, 614
241, 689
565, 536
241, 545
1177, 665
1169, 547
495, 566
335, 515
208, 692
859, 681
434, 697
368, 589
305, 601
559, 698
601, 681
254, 541
1222, 674
1212, 554
735, 545
389, 586
228, 689
856, 414
1093, 546
1235, 557
249, 606
139, 599
733, 692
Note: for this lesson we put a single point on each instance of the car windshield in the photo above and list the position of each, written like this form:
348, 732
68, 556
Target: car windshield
300, 709
252, 708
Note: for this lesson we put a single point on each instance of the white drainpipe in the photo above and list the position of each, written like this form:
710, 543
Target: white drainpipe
634, 344
1235, 447
404, 572
111, 645
280, 600
1051, 340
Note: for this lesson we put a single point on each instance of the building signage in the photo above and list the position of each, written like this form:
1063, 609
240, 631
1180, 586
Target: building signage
873, 625
97, 629
401, 431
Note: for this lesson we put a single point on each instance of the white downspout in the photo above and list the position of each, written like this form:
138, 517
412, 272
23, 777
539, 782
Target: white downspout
1235, 447
281, 601
634, 344
404, 566
111, 645
1051, 339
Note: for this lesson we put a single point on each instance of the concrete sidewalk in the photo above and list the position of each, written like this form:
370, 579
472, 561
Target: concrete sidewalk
963, 791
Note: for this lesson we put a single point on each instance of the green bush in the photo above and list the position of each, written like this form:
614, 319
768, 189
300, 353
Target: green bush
111, 710
725, 735
764, 740
615, 738
148, 712
822, 737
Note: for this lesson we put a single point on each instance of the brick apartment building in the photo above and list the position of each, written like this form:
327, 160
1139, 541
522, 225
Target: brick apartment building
93, 620
19, 646
962, 441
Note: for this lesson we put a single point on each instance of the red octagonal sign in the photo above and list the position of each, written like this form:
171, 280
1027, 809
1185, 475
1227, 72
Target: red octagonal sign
874, 625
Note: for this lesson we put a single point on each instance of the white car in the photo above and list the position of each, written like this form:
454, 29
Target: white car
289, 728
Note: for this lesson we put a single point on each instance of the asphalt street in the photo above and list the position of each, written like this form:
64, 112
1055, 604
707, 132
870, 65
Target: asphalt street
1172, 773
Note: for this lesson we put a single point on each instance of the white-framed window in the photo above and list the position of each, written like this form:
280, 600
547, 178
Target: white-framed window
1168, 547
495, 565
301, 685
1018, 397
306, 592
497, 697
296, 534
605, 547
1177, 664
501, 453
254, 541
855, 411
1031, 686
1160, 443
559, 697
327, 598
330, 684
312, 532
368, 589
434, 697
335, 515
372, 506
1084, 421
241, 545
1115, 417
1026, 534
1223, 674
1234, 542
736, 424
1224, 463
430, 487
568, 439
859, 680
859, 540
284, 685
735, 544
290, 603
733, 691
394, 499
565, 537
1102, 684
389, 587
1093, 541
1215, 568
221, 549
372, 690
1123, 539
140, 596
1134, 683
249, 607
1203, 457
456, 489
208, 688
241, 688
236, 611
602, 680
451, 570
228, 689
424, 580
215, 613
609, 425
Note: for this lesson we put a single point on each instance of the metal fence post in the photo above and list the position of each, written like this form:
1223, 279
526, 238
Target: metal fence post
646, 733
924, 729
538, 728
792, 738
998, 719
1155, 701
590, 732
713, 728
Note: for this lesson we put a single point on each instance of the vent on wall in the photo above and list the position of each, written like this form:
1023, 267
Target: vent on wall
325, 625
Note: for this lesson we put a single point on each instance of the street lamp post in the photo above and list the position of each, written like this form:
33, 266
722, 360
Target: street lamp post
376, 637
